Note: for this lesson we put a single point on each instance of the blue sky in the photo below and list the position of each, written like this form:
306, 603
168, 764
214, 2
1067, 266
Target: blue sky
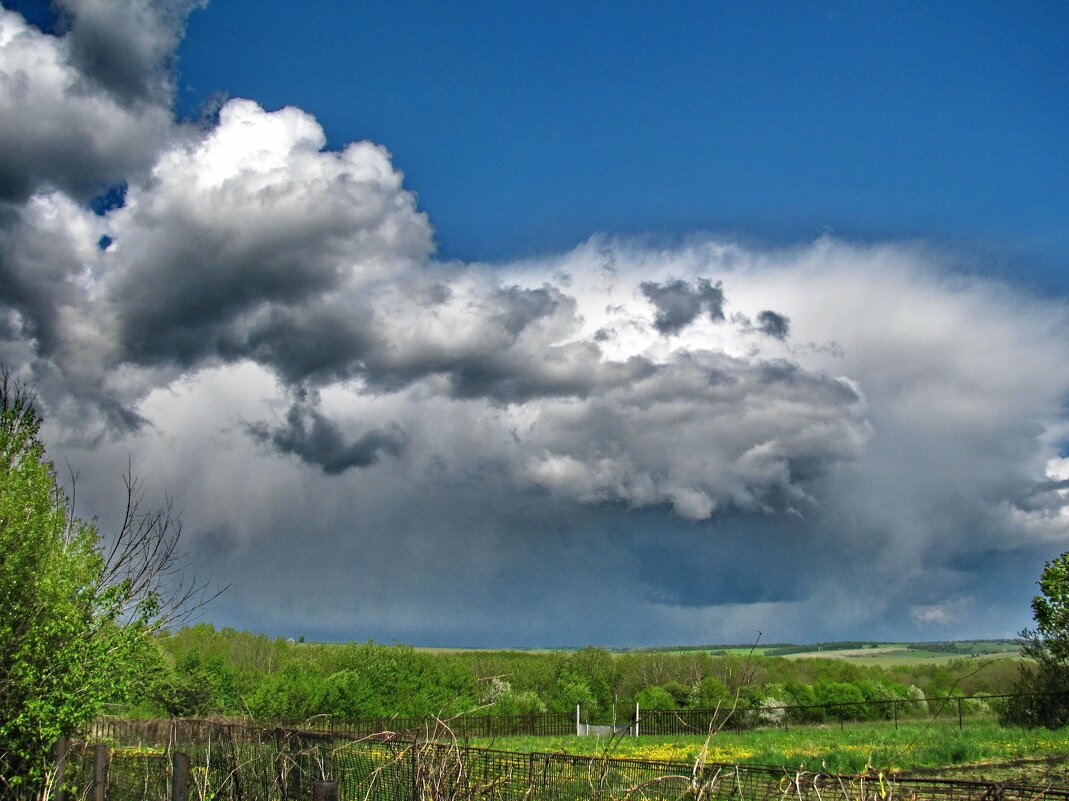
524, 130
499, 325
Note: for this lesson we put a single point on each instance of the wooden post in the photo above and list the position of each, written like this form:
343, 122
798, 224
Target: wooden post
62, 744
961, 721
100, 772
180, 775
325, 791
894, 707
415, 771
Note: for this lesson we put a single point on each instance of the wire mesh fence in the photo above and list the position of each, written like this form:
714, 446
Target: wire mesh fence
232, 762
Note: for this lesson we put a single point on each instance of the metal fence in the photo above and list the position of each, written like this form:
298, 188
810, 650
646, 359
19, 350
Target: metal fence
534, 724
232, 762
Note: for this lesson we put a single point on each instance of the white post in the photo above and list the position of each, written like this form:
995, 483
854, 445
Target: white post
578, 732
636, 718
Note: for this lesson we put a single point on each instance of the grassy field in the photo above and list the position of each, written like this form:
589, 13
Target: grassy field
882, 654
916, 746
875, 654
899, 655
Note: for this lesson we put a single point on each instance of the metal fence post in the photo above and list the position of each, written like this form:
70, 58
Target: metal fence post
180, 775
961, 721
325, 791
100, 772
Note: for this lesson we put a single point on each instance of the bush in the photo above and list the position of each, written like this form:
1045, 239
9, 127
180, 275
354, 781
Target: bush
709, 693
656, 698
845, 701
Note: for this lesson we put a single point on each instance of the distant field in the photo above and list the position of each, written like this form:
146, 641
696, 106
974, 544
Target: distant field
899, 654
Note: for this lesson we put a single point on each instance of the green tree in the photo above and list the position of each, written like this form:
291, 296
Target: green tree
1043, 683
73, 617
656, 697
711, 693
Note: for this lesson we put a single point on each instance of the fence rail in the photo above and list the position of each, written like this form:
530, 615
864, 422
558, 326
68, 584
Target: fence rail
231, 762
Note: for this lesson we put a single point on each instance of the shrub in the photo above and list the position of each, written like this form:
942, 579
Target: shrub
656, 698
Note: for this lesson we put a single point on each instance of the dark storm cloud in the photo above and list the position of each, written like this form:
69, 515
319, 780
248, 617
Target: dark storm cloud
520, 307
316, 440
60, 126
318, 344
38, 266
678, 304
775, 325
126, 47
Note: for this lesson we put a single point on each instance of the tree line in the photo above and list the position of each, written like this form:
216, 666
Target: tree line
200, 670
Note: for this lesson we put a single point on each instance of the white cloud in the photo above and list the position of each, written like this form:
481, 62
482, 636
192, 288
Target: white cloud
59, 129
325, 399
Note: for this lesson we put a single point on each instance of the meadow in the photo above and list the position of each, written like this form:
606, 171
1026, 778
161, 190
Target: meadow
986, 747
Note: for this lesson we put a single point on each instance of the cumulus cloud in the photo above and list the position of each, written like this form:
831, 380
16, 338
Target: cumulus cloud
62, 125
242, 238
126, 47
261, 313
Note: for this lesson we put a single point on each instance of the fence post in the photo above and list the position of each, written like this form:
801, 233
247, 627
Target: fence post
577, 731
636, 718
894, 708
325, 791
100, 772
961, 721
62, 744
180, 773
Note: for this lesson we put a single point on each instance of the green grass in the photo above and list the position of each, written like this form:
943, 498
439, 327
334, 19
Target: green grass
824, 748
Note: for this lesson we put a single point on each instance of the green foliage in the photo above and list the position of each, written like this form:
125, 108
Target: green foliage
848, 697
522, 702
281, 679
656, 698
1047, 676
72, 633
197, 687
709, 693
572, 691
